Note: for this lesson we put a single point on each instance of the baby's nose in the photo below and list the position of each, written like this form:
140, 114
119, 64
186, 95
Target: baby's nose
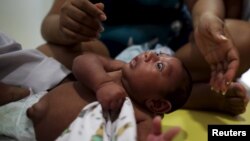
151, 56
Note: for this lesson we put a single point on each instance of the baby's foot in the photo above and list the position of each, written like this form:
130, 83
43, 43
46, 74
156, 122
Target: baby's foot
235, 101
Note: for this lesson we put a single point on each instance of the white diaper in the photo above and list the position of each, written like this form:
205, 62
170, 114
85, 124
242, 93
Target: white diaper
92, 124
14, 122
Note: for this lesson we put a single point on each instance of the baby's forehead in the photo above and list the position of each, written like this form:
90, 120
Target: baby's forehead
163, 53
168, 57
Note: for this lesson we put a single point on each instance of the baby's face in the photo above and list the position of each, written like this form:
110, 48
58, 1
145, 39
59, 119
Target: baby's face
151, 73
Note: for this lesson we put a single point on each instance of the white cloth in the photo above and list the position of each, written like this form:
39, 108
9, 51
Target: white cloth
7, 44
130, 52
14, 122
93, 124
28, 68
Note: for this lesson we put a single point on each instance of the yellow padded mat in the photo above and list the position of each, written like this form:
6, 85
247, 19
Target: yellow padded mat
194, 123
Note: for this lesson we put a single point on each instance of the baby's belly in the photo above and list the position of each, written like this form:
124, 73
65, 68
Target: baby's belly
56, 110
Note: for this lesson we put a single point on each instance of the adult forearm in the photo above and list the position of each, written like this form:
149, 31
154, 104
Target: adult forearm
201, 7
51, 31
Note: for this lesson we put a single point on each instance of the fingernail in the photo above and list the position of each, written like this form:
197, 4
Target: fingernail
103, 17
228, 83
223, 37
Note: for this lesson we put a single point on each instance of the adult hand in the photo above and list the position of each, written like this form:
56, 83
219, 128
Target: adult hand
217, 47
156, 133
111, 96
81, 20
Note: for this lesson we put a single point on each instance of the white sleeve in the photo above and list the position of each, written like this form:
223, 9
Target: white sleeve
8, 44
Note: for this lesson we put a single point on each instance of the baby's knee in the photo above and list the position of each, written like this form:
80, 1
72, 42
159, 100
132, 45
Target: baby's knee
37, 111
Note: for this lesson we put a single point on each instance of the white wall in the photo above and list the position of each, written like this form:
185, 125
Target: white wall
21, 20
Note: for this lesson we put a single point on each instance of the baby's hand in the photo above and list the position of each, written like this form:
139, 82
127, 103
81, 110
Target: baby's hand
111, 96
156, 133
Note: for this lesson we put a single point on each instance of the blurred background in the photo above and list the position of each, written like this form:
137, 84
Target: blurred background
21, 20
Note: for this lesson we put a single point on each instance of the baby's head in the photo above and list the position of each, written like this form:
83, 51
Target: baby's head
157, 81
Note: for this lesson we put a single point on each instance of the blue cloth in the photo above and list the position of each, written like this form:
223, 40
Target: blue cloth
144, 20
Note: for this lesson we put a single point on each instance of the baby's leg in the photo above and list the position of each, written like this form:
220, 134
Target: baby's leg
10, 93
233, 103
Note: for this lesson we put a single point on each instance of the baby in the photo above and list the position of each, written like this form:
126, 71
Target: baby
155, 83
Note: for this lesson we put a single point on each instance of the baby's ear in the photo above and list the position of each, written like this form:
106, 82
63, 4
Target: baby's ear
158, 106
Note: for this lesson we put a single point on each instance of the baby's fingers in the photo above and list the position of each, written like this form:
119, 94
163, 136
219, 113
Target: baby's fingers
171, 133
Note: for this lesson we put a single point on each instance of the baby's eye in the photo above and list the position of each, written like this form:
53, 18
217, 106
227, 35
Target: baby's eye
157, 53
159, 66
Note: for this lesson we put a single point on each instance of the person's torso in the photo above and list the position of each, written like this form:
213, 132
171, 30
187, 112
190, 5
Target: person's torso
141, 11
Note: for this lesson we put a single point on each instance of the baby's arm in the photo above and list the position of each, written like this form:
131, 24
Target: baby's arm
91, 70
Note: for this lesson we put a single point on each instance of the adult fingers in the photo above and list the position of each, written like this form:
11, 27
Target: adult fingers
233, 65
99, 5
83, 18
77, 31
72, 35
90, 8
